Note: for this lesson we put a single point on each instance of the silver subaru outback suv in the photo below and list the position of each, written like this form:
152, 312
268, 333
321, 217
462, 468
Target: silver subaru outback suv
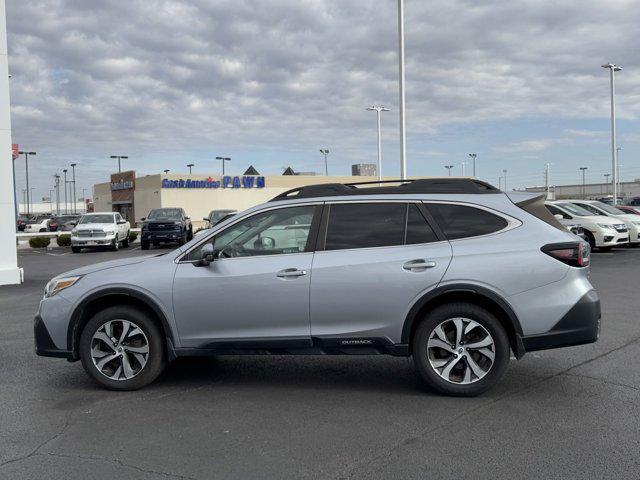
452, 272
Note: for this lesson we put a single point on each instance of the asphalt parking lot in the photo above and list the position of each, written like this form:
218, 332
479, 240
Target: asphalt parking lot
569, 413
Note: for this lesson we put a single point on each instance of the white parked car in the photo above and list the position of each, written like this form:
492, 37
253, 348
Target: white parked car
601, 232
99, 230
39, 224
602, 209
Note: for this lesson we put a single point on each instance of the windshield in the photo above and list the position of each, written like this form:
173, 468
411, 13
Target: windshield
610, 209
106, 218
165, 213
575, 209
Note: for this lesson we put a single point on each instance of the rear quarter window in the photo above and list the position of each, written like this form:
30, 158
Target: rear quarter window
463, 221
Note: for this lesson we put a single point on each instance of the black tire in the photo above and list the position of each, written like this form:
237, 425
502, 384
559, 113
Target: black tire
190, 236
469, 311
75, 249
115, 245
144, 245
155, 360
125, 242
591, 239
42, 230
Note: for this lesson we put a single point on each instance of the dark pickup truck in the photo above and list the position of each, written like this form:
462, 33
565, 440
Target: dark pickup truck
166, 225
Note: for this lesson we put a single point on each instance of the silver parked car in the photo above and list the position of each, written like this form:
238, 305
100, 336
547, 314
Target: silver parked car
452, 272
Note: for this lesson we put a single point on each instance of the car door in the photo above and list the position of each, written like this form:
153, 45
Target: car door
256, 291
374, 260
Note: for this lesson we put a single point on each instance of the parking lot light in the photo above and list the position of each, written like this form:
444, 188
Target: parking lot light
612, 69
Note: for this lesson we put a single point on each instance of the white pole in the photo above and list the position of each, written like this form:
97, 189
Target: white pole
546, 179
403, 147
10, 273
379, 146
618, 170
614, 167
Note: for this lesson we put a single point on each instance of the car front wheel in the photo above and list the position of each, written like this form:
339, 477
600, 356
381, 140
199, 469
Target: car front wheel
460, 349
121, 348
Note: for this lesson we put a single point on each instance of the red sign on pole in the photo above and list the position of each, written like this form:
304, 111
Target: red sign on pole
15, 149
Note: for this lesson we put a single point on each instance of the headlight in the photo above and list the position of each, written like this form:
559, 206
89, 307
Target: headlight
58, 284
74, 231
637, 224
110, 232
605, 226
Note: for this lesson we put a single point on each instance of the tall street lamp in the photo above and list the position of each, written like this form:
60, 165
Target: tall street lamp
618, 170
223, 159
584, 188
73, 183
119, 157
325, 152
190, 165
612, 69
403, 139
66, 206
378, 109
26, 168
606, 181
449, 167
504, 172
473, 158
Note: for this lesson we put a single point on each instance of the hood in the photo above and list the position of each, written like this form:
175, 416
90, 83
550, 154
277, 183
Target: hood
628, 217
95, 226
105, 265
597, 219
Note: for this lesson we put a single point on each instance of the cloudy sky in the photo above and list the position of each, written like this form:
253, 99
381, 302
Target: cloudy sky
269, 82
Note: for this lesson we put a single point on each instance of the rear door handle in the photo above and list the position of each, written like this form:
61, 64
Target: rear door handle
418, 265
291, 273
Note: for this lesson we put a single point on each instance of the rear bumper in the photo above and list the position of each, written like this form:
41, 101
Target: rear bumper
43, 342
579, 326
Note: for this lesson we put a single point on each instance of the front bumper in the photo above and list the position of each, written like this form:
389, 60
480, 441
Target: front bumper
92, 241
43, 342
162, 235
580, 325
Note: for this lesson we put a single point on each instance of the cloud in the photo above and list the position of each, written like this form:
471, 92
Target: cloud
166, 78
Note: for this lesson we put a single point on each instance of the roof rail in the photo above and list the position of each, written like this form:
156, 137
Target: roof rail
423, 185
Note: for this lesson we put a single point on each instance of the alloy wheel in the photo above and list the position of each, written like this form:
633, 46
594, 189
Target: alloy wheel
119, 349
461, 351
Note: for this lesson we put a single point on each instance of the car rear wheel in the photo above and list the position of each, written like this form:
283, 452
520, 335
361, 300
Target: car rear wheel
144, 245
125, 242
460, 349
115, 244
75, 249
121, 348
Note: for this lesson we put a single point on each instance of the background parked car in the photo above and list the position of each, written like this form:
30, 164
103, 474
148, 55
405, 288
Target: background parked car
166, 225
40, 223
56, 223
602, 232
216, 216
99, 230
631, 220
629, 209
23, 219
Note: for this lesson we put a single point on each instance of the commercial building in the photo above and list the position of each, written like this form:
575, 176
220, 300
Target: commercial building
364, 169
197, 194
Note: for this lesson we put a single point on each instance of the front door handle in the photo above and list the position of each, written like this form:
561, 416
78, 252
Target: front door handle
418, 265
291, 273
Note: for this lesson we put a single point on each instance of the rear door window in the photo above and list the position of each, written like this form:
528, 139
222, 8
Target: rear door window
365, 225
463, 221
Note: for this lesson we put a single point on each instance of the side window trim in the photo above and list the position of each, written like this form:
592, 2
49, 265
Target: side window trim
431, 221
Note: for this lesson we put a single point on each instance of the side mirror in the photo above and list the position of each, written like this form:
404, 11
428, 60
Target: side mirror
143, 219
206, 256
73, 224
205, 219
121, 222
187, 218
558, 216
267, 243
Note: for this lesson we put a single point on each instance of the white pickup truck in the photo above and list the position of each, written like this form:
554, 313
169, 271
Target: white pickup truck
100, 230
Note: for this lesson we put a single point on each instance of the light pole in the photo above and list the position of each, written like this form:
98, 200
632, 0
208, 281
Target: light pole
618, 170
473, 158
51, 201
223, 159
73, 169
403, 147
66, 206
499, 183
119, 157
31, 196
612, 69
463, 165
584, 188
325, 152
26, 169
190, 165
606, 181
57, 184
449, 167
378, 109
504, 172
546, 178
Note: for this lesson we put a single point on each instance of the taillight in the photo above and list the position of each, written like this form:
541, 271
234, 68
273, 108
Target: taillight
576, 254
